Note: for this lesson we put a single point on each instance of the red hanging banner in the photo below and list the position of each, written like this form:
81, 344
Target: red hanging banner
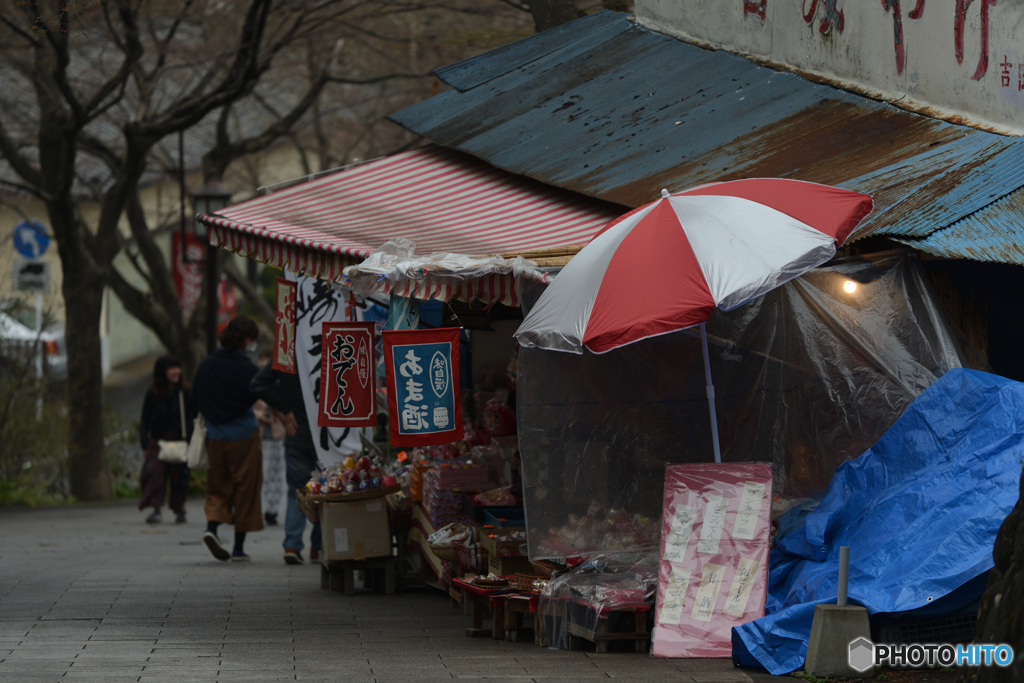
348, 396
188, 275
284, 328
422, 370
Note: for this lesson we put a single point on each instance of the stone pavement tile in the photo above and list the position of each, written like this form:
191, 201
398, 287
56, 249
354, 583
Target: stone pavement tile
328, 659
99, 677
124, 645
41, 655
119, 666
713, 677
10, 669
401, 678
182, 669
257, 664
34, 676
723, 666
655, 676
125, 638
493, 668
246, 676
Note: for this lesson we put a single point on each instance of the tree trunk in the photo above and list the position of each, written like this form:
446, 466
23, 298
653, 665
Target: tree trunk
1001, 615
87, 463
551, 13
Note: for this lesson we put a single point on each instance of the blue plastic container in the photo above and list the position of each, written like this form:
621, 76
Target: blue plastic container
505, 518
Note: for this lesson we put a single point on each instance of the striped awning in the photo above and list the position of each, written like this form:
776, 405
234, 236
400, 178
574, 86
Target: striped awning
444, 201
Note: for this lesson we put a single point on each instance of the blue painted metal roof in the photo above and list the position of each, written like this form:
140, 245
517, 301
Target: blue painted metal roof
996, 233
616, 111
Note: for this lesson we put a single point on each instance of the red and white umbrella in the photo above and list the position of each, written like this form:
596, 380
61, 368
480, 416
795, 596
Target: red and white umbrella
665, 266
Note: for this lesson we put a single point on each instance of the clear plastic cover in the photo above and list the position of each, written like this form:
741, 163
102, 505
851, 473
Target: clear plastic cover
395, 265
615, 589
806, 378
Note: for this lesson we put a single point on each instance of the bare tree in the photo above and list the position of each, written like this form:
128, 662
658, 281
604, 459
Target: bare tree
93, 87
108, 81
327, 95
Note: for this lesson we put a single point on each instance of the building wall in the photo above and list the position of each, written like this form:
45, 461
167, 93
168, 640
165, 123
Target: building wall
963, 61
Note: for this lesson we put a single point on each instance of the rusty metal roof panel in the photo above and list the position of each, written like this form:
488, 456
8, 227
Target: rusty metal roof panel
995, 233
620, 112
475, 71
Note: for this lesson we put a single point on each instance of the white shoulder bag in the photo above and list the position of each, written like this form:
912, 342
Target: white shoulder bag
174, 452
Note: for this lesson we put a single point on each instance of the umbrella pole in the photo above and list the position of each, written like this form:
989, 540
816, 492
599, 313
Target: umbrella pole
711, 393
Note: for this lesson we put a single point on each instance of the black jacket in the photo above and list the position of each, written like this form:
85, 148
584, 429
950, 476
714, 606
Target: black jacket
161, 417
282, 391
221, 387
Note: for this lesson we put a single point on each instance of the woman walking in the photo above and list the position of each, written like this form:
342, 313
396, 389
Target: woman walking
162, 421
235, 477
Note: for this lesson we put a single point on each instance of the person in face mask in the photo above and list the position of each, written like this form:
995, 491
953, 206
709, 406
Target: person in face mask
235, 478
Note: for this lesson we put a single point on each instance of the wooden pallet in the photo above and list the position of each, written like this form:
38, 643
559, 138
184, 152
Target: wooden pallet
339, 575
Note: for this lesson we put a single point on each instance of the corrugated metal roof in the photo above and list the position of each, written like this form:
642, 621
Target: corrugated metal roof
617, 111
996, 233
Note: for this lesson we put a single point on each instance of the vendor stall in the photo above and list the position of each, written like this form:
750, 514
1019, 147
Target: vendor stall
364, 251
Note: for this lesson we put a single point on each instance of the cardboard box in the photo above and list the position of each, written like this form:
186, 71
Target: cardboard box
499, 546
504, 566
356, 530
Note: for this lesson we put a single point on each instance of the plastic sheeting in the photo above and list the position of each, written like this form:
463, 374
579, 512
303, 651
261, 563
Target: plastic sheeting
920, 511
578, 598
396, 267
806, 378
713, 573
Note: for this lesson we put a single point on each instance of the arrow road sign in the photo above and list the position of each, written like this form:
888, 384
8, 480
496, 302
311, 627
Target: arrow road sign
31, 238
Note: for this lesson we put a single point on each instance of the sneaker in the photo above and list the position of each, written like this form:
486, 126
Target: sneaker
314, 555
154, 518
292, 556
179, 518
217, 548
270, 518
239, 557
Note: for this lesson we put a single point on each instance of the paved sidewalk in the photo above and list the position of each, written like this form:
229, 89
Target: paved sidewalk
91, 593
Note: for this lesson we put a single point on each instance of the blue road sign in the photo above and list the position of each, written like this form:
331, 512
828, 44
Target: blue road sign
31, 239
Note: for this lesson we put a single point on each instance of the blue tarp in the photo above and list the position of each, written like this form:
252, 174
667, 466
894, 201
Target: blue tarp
919, 510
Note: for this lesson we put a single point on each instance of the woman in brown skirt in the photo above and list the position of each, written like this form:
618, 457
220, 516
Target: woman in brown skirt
162, 420
235, 478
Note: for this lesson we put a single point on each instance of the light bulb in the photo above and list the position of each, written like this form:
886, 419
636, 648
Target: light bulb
850, 286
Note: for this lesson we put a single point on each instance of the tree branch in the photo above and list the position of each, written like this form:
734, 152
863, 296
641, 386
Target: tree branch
19, 31
245, 70
22, 166
161, 282
251, 293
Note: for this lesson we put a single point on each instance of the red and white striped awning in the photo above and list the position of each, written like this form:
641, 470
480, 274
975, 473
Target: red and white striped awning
443, 200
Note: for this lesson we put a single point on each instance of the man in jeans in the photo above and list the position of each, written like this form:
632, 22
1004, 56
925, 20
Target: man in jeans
283, 392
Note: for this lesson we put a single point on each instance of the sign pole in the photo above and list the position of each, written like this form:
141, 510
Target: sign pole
39, 354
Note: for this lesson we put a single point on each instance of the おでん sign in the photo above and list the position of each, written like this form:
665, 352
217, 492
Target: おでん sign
348, 397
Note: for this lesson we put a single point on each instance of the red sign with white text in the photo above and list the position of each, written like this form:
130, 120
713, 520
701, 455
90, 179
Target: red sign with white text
348, 396
284, 328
